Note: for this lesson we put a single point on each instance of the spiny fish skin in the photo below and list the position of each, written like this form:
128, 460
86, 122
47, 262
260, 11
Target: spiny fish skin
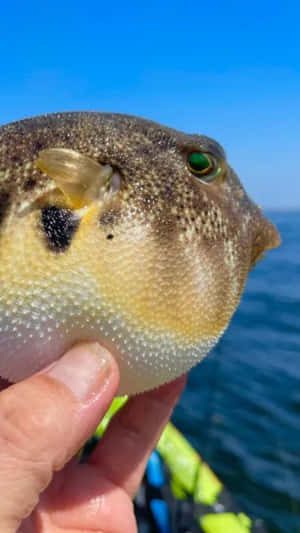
153, 267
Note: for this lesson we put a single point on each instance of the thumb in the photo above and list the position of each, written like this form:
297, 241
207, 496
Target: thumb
43, 422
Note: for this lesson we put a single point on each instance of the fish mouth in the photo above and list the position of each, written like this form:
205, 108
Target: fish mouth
267, 238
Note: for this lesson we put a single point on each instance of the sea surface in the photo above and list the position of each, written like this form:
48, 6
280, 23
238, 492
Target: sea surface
241, 408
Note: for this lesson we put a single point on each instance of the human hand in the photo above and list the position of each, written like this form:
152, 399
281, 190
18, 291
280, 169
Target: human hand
45, 419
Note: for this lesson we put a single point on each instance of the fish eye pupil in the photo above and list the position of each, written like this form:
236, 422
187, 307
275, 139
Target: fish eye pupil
199, 162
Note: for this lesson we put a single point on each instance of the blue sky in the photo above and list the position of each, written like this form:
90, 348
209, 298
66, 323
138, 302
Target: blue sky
229, 69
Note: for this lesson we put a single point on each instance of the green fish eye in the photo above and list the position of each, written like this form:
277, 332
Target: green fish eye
203, 165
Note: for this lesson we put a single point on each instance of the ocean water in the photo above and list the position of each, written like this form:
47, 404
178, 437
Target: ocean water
241, 408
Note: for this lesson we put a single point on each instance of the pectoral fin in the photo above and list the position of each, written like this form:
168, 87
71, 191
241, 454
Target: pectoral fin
78, 176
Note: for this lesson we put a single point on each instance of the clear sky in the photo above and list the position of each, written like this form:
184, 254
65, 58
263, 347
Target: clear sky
229, 69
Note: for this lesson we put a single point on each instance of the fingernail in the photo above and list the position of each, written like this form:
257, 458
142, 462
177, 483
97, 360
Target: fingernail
84, 369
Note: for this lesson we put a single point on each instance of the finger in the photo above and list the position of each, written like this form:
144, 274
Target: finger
123, 452
43, 422
80, 498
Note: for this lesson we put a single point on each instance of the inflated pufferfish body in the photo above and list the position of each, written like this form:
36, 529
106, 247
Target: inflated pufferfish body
114, 228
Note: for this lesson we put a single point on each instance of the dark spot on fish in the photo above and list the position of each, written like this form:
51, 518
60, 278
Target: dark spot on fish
4, 204
14, 159
59, 226
29, 184
110, 236
38, 146
168, 191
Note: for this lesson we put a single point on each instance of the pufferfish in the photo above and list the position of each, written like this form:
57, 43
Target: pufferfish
119, 230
